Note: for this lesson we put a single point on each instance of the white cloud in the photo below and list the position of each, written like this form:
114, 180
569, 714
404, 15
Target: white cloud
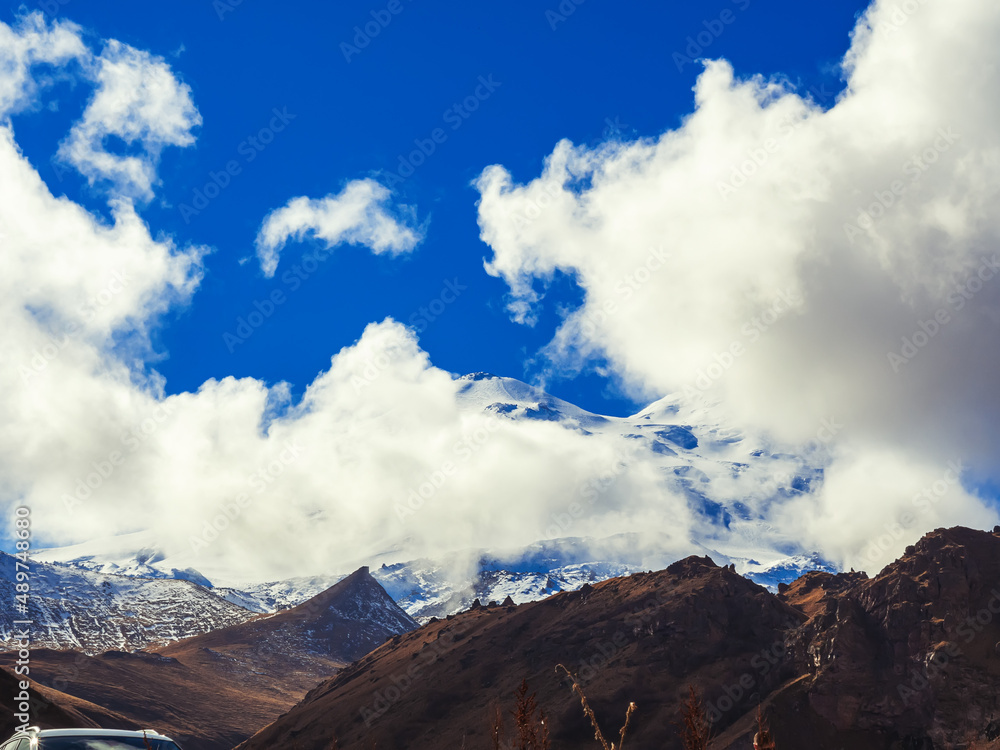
753, 251
674, 273
360, 214
31, 43
876, 501
138, 100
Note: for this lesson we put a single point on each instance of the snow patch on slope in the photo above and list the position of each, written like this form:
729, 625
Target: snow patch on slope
71, 607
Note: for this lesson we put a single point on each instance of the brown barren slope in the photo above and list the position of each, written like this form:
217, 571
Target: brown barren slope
639, 638
909, 660
214, 690
51, 709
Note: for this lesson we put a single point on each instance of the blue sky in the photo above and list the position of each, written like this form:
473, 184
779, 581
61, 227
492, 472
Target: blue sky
607, 69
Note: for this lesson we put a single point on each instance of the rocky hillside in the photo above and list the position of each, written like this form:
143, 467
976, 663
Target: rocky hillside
214, 690
907, 660
636, 638
904, 661
912, 654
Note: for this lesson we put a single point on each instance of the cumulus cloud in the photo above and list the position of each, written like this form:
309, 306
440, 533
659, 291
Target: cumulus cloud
139, 101
79, 294
797, 260
370, 461
361, 214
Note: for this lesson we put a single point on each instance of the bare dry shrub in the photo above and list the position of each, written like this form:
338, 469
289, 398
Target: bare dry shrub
531, 729
763, 740
695, 728
589, 713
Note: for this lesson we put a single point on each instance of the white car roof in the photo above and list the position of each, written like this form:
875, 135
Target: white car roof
152, 734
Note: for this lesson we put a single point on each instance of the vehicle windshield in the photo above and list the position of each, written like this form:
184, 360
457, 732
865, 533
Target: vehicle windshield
104, 743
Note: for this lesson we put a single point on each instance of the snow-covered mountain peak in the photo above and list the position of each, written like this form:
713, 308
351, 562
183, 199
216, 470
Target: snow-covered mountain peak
483, 392
137, 555
73, 607
729, 481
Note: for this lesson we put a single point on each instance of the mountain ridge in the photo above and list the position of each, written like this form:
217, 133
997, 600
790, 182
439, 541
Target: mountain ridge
904, 659
210, 691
